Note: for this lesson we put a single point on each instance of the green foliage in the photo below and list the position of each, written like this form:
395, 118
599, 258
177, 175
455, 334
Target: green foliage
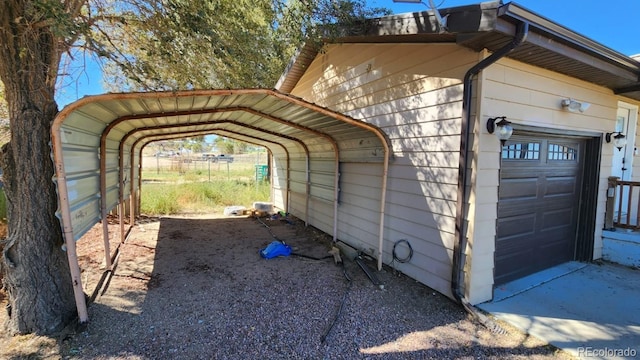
186, 44
230, 146
197, 189
162, 200
173, 198
64, 26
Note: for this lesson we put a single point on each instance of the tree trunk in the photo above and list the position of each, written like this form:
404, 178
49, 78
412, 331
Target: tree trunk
34, 265
36, 270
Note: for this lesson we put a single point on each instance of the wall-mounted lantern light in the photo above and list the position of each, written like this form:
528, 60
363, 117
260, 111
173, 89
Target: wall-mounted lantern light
574, 106
503, 127
619, 140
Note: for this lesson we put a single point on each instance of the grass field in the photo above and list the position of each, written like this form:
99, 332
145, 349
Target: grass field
173, 187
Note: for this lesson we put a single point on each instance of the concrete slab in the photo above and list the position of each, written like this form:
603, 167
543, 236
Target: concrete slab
589, 310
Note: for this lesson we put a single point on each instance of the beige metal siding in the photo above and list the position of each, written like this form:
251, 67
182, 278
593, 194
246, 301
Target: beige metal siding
414, 93
359, 198
529, 96
279, 182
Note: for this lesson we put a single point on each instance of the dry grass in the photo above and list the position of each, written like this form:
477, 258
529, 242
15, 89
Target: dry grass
31, 346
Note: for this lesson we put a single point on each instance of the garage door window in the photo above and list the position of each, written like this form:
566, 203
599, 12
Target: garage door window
521, 151
561, 152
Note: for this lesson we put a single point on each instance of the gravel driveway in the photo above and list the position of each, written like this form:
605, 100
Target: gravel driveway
196, 288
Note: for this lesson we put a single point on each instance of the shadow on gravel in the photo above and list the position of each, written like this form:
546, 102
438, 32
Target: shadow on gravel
201, 291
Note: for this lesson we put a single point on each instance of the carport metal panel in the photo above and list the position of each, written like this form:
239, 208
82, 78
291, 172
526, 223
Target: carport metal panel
99, 131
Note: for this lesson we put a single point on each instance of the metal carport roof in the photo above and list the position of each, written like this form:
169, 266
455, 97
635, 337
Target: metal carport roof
97, 147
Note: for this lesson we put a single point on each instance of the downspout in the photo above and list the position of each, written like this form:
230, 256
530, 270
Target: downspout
465, 139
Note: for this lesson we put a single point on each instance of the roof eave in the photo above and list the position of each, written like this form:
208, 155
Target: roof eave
408, 27
544, 25
559, 39
481, 26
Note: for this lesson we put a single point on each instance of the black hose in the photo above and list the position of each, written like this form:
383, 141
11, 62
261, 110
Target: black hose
268, 228
282, 241
406, 258
323, 338
312, 257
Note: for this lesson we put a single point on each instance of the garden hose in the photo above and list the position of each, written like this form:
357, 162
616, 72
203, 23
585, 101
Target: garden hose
406, 258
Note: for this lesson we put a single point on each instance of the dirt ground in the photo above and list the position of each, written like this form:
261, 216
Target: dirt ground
196, 288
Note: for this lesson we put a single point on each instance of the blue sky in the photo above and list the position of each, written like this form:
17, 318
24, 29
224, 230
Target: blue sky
613, 23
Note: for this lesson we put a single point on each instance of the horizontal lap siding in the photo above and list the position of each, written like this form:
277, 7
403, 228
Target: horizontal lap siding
279, 182
416, 100
359, 206
321, 214
531, 96
297, 204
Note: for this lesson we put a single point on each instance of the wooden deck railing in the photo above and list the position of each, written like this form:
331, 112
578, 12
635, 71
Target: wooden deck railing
623, 204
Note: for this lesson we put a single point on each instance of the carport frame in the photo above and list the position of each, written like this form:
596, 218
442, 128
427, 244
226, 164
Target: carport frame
237, 136
61, 176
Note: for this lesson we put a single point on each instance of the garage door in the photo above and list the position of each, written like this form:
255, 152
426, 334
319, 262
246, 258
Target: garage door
540, 182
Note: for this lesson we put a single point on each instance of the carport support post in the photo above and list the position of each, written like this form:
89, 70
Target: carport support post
67, 230
132, 191
74, 268
103, 199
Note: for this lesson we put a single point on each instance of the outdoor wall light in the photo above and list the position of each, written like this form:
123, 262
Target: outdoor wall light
619, 140
574, 106
503, 127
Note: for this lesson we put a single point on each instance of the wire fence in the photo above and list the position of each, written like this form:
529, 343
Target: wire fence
198, 168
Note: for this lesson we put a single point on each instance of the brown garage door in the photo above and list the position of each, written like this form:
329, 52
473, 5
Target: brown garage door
540, 182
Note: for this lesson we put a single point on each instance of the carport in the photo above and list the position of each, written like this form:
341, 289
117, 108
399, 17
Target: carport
97, 145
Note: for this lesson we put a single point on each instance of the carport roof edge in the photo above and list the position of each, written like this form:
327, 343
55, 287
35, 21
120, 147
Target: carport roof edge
110, 97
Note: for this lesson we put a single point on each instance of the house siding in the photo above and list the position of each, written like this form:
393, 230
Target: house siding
530, 96
416, 99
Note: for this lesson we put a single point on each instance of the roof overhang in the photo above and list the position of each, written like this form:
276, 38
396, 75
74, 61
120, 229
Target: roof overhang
491, 25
